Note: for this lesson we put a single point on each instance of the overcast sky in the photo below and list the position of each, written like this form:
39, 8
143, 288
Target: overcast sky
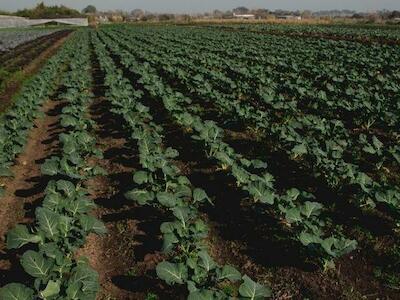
191, 6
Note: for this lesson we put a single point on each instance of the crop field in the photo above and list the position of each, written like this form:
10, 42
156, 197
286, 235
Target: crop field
205, 162
11, 38
362, 33
25, 51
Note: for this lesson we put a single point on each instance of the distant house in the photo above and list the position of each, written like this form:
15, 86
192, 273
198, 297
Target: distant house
12, 21
289, 17
247, 16
102, 19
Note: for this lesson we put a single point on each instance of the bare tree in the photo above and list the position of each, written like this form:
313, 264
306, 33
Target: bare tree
241, 10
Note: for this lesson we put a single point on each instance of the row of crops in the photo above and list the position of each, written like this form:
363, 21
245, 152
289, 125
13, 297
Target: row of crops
332, 116
356, 32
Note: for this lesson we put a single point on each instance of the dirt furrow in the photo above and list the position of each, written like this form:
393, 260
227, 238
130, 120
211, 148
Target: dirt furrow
127, 255
25, 190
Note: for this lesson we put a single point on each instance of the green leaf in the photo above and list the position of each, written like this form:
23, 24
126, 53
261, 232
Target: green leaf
369, 149
299, 150
48, 221
307, 239
84, 283
344, 246
230, 273
141, 196
5, 172
206, 261
252, 290
167, 227
169, 241
91, 224
35, 264
20, 236
65, 225
16, 291
261, 192
52, 289
140, 177
182, 214
293, 215
53, 201
79, 206
199, 195
50, 167
311, 209
327, 245
171, 273
259, 164
377, 143
167, 199
201, 295
67, 187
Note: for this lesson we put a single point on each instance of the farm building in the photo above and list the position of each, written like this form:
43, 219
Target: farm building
12, 21
244, 16
289, 17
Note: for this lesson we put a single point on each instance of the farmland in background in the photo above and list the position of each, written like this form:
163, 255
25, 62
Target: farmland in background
11, 38
204, 162
22, 53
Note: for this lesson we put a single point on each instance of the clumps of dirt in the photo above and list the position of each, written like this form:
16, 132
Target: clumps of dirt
127, 255
351, 277
25, 190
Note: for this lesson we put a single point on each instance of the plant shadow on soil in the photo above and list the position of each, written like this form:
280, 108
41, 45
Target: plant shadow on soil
32, 198
289, 173
253, 228
247, 224
122, 156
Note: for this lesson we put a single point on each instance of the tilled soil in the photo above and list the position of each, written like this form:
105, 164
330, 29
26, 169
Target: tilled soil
25, 190
127, 255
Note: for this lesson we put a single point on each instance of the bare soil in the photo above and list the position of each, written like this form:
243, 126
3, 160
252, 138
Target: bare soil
251, 239
127, 255
25, 190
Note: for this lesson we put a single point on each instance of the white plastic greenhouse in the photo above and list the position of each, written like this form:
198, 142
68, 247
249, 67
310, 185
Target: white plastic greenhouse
12, 21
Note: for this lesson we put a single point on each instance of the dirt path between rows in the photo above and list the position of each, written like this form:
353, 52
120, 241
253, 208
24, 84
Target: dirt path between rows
126, 256
25, 190
14, 84
111, 255
114, 256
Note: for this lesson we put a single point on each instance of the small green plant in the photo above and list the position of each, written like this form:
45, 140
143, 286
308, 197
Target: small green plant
133, 271
151, 296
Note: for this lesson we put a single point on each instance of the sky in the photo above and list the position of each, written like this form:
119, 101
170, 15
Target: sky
193, 6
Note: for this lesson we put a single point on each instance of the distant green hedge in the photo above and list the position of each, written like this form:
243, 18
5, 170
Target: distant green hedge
42, 11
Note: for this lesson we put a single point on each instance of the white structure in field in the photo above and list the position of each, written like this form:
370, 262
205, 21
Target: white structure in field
244, 16
289, 17
12, 21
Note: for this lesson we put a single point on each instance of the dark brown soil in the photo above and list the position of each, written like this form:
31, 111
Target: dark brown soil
242, 234
25, 191
127, 255
246, 236
21, 55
